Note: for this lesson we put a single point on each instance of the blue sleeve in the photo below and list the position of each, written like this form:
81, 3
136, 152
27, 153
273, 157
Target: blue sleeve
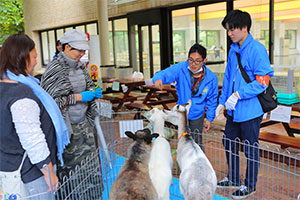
260, 65
168, 75
212, 98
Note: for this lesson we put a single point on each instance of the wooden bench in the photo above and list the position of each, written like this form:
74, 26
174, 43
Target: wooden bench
138, 106
119, 99
284, 141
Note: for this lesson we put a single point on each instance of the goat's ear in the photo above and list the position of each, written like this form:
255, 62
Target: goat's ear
154, 135
130, 135
148, 138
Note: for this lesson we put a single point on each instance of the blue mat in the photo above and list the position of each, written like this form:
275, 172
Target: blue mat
110, 175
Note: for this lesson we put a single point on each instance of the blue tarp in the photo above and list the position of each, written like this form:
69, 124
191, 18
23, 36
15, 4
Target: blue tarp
109, 176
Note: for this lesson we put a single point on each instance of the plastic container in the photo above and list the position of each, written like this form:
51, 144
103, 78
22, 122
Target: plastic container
108, 71
288, 99
123, 72
286, 79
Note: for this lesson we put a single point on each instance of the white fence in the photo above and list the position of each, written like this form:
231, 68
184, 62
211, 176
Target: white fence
278, 177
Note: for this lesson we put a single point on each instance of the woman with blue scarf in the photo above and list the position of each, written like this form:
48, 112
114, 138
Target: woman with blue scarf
32, 131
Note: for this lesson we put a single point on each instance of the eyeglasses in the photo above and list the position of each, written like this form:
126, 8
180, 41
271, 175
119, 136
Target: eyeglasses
197, 61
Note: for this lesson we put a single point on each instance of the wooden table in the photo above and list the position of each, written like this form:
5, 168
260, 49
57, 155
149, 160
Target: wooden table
120, 98
290, 131
159, 97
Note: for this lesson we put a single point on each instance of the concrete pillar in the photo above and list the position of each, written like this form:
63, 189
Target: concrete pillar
102, 18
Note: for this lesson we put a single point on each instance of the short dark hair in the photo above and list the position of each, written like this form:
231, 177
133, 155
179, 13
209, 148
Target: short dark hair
237, 19
15, 53
199, 49
56, 50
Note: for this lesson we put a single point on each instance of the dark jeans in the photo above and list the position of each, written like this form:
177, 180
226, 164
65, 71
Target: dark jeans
196, 127
247, 132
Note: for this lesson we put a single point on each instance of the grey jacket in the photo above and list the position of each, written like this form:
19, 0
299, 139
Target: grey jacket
56, 82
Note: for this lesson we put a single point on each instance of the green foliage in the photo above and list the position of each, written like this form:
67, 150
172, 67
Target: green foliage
11, 18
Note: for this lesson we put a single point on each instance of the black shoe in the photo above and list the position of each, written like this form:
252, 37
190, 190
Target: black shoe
243, 192
226, 183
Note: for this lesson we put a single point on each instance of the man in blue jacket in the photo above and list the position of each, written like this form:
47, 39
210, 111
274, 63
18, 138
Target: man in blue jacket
196, 82
244, 112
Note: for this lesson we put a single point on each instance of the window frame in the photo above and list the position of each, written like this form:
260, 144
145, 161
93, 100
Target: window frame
73, 26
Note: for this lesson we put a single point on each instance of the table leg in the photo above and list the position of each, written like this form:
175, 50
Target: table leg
148, 96
290, 131
126, 94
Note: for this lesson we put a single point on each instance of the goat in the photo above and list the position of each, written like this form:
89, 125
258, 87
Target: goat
161, 162
177, 116
197, 178
133, 181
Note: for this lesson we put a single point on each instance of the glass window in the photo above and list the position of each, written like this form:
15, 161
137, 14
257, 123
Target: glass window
111, 49
291, 36
80, 28
45, 48
52, 44
156, 48
92, 29
68, 28
259, 11
212, 36
264, 38
59, 33
48, 40
183, 22
146, 52
286, 21
121, 42
179, 44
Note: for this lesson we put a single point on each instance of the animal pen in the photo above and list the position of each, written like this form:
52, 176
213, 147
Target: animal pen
279, 171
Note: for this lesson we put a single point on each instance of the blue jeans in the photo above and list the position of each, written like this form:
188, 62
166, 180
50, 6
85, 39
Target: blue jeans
38, 189
244, 131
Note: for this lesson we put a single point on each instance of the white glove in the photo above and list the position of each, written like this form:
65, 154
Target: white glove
219, 111
231, 102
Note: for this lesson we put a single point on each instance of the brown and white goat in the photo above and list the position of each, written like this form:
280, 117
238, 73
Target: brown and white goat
133, 181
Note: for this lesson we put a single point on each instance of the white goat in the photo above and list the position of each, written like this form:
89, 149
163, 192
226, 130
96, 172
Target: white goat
133, 181
177, 116
161, 162
197, 178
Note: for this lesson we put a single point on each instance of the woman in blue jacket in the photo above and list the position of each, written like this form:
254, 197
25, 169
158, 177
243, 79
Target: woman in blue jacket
196, 82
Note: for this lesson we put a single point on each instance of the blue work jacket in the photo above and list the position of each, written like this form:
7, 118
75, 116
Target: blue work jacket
207, 94
255, 61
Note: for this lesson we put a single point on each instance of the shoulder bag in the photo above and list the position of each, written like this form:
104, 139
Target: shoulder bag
11, 184
268, 98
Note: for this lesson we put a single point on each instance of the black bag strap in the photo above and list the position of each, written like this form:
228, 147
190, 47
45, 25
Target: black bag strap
244, 73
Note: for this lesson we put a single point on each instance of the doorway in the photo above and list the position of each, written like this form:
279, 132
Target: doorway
147, 44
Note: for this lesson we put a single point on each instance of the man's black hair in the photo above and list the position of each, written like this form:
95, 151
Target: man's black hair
237, 19
199, 49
